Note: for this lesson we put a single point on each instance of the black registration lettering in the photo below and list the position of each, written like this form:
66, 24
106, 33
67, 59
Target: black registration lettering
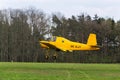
75, 46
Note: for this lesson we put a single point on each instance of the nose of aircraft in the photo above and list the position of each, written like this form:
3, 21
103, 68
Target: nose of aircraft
43, 45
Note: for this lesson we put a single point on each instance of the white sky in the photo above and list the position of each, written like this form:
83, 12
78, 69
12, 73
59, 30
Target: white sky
103, 8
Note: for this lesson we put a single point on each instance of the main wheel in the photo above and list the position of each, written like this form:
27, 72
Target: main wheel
46, 57
54, 57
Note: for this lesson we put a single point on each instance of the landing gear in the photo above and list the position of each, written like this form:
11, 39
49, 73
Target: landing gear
51, 57
46, 57
47, 54
54, 57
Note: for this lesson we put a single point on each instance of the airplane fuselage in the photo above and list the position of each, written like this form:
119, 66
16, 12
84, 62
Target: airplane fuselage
66, 45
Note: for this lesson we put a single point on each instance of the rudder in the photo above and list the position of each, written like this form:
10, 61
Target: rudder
92, 41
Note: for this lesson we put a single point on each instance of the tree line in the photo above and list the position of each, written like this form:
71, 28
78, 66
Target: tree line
22, 29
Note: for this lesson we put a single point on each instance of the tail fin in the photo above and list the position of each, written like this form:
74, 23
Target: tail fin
92, 41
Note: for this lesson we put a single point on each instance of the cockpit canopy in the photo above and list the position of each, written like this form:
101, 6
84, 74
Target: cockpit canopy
53, 38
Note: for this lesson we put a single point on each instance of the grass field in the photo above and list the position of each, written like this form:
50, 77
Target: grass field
58, 71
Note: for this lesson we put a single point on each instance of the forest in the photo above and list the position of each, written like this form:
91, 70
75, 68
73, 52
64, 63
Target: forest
22, 29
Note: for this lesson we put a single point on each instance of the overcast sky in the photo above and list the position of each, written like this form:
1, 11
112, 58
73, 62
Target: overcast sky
103, 8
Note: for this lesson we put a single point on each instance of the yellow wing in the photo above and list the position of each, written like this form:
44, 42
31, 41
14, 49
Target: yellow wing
46, 44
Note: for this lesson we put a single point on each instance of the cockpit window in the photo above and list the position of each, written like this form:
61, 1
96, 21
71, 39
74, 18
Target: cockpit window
53, 38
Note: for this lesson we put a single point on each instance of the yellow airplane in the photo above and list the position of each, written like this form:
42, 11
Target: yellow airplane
63, 44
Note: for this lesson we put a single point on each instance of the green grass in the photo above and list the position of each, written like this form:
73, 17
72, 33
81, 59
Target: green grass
58, 71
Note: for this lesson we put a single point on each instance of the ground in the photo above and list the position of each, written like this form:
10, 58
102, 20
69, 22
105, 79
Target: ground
58, 71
